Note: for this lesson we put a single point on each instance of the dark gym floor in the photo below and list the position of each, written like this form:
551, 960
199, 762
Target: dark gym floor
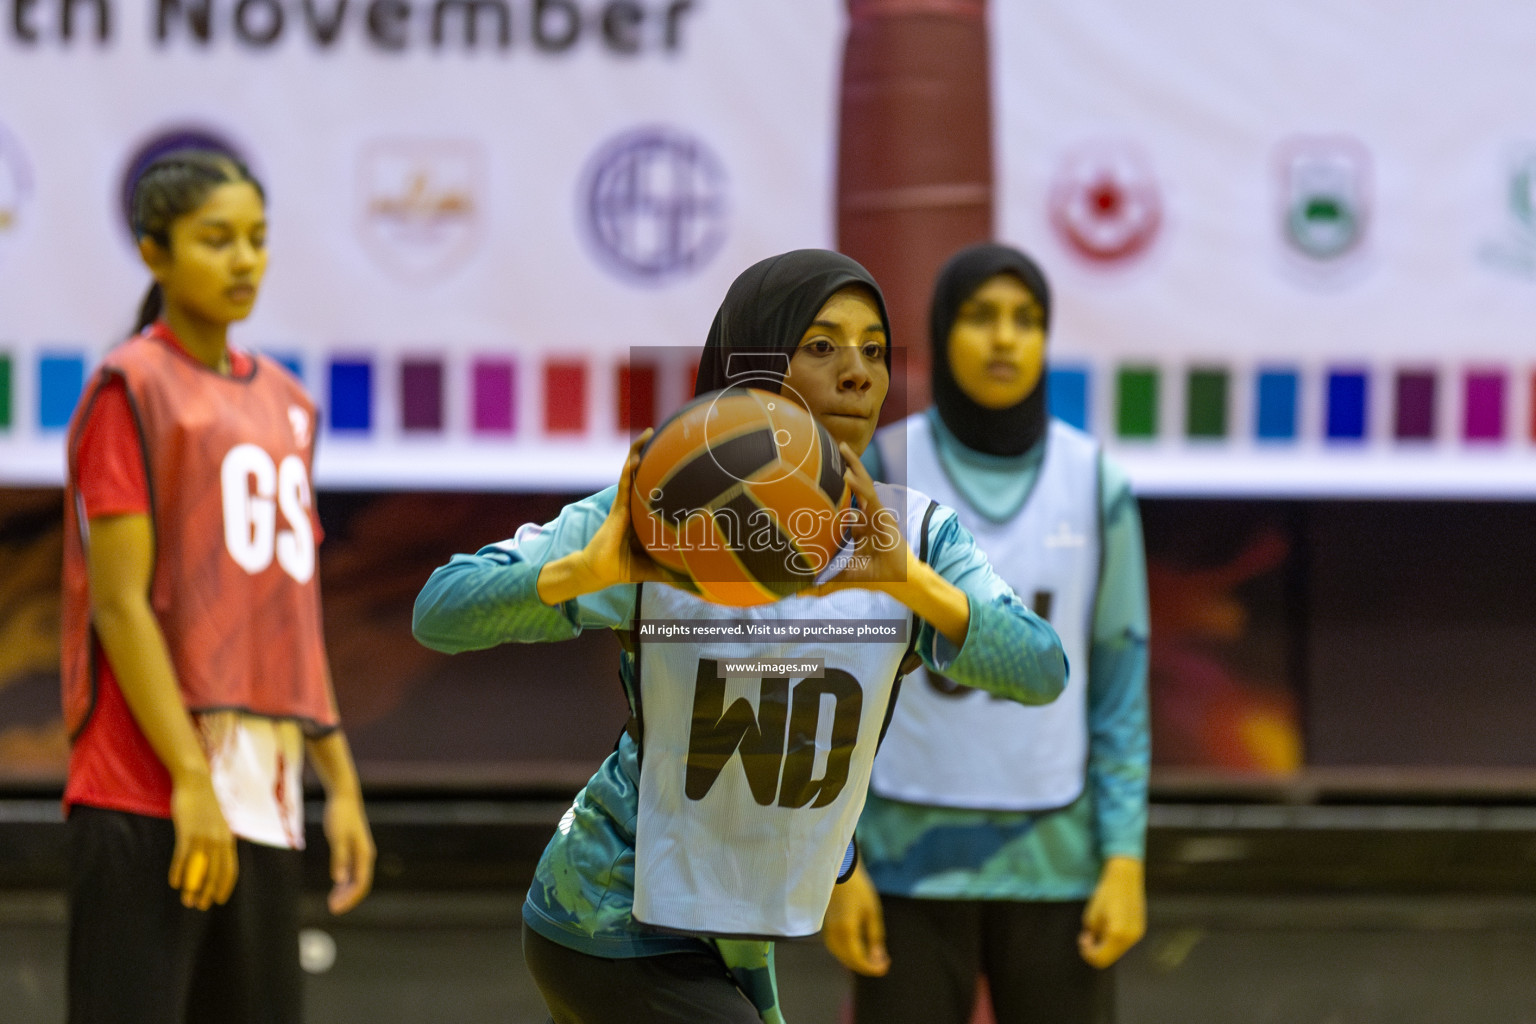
1258, 914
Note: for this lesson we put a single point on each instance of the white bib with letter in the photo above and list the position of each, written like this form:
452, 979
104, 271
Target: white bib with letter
756, 753
950, 746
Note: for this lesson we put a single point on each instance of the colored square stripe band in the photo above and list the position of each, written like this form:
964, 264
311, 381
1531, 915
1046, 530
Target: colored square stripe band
1205, 411
290, 361
5, 392
565, 398
60, 378
1067, 392
351, 395
1346, 417
421, 395
1136, 412
493, 385
1485, 406
637, 396
1275, 395
1415, 414
1533, 407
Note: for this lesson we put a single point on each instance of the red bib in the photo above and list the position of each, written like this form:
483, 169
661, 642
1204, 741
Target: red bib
234, 588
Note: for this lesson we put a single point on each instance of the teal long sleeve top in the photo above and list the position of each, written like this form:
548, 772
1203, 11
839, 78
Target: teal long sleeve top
583, 888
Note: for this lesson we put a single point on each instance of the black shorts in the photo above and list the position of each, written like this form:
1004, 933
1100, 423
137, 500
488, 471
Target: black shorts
1027, 951
137, 956
673, 988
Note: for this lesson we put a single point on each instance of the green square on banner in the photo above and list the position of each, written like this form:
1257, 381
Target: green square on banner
1205, 413
1136, 413
5, 392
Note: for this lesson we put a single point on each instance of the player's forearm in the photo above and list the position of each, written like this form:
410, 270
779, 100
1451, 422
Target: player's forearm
935, 600
1119, 745
567, 578
1008, 651
475, 602
120, 561
331, 756
131, 637
1120, 811
1119, 740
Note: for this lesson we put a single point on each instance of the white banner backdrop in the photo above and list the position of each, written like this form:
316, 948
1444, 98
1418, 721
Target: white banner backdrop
460, 192
1293, 244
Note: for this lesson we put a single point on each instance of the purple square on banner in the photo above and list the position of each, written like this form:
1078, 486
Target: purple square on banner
421, 394
493, 396
1485, 406
1415, 405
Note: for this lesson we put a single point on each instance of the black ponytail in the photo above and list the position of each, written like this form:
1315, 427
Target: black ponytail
170, 188
150, 309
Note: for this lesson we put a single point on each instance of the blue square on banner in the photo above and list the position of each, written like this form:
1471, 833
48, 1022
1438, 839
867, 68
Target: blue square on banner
291, 362
1067, 393
1346, 405
59, 381
1276, 404
351, 395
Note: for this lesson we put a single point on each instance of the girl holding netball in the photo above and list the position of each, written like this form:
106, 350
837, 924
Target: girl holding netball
658, 898
194, 670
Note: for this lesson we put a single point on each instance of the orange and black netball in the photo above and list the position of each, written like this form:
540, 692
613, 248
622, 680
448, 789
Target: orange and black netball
742, 491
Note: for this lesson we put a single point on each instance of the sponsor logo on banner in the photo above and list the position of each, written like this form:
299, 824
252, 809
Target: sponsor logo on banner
15, 187
168, 141
421, 205
1515, 250
654, 204
1105, 203
1325, 200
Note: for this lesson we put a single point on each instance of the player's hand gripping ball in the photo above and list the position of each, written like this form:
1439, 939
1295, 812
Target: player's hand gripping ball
742, 491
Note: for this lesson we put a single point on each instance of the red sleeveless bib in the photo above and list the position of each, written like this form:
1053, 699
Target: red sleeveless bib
234, 588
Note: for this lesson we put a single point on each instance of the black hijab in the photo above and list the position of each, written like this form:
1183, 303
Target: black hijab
767, 309
1010, 431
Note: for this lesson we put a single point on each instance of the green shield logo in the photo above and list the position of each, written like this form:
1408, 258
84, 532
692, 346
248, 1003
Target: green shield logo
1326, 187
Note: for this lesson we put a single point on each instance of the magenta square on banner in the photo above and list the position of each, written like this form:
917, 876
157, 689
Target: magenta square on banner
1415, 405
1485, 405
493, 386
421, 394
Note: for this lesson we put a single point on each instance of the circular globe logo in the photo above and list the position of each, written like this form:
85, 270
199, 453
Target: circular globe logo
654, 204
